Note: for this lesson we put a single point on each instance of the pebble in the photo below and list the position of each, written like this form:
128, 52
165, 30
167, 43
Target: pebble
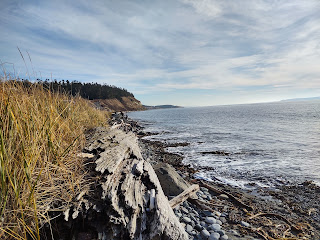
203, 224
184, 210
245, 224
198, 227
186, 220
214, 236
223, 196
218, 222
223, 219
179, 215
224, 237
210, 220
221, 232
205, 233
189, 228
215, 227
208, 213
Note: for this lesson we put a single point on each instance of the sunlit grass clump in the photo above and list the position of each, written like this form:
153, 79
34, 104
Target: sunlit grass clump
40, 135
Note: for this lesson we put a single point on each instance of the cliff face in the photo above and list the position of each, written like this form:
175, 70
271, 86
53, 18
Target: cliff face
116, 105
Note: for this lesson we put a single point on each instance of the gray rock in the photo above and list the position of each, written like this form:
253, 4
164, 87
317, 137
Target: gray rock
215, 227
209, 197
184, 210
179, 215
245, 224
203, 189
198, 227
219, 222
202, 223
186, 220
214, 236
189, 228
223, 219
205, 233
171, 182
210, 220
221, 232
208, 213
224, 237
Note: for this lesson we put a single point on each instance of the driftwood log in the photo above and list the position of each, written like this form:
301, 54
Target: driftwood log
184, 195
133, 201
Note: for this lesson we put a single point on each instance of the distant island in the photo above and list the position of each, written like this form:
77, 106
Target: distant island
300, 99
161, 107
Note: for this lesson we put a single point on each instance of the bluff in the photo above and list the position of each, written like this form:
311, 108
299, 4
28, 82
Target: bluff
128, 103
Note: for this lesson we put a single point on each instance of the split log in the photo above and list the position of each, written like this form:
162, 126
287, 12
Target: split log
184, 195
133, 203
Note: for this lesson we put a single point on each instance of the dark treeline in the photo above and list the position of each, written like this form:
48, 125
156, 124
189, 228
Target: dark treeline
86, 90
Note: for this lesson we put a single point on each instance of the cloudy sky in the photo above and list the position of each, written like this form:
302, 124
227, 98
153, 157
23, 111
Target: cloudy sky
184, 52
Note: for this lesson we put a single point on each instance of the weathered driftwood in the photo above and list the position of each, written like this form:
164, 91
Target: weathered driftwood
133, 201
184, 195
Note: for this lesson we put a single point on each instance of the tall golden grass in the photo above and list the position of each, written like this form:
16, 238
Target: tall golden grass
40, 135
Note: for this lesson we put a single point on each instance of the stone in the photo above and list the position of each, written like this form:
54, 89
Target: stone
186, 220
189, 228
171, 182
184, 210
223, 196
202, 223
215, 227
245, 224
223, 219
210, 220
224, 237
214, 236
219, 222
179, 215
198, 227
221, 232
209, 198
205, 233
208, 213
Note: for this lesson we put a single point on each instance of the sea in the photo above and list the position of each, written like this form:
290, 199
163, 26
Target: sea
265, 144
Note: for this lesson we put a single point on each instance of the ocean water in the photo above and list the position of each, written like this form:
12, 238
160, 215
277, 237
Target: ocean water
265, 144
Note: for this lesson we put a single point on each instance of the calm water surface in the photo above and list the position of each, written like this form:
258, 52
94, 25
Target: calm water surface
268, 144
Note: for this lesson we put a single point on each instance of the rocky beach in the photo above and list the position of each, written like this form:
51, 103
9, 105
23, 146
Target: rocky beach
227, 212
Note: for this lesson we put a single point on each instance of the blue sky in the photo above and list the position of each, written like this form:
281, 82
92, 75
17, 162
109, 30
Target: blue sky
183, 52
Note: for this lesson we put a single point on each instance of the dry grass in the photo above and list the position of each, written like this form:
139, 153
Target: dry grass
40, 134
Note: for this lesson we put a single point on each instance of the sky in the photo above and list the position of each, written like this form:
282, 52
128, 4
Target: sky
181, 52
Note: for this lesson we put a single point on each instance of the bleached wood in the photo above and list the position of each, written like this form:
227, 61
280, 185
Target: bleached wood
133, 198
184, 195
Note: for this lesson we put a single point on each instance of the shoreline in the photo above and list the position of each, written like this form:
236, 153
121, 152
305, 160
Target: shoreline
295, 205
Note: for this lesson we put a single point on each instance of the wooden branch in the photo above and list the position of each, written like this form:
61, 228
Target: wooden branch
184, 195
277, 216
233, 198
